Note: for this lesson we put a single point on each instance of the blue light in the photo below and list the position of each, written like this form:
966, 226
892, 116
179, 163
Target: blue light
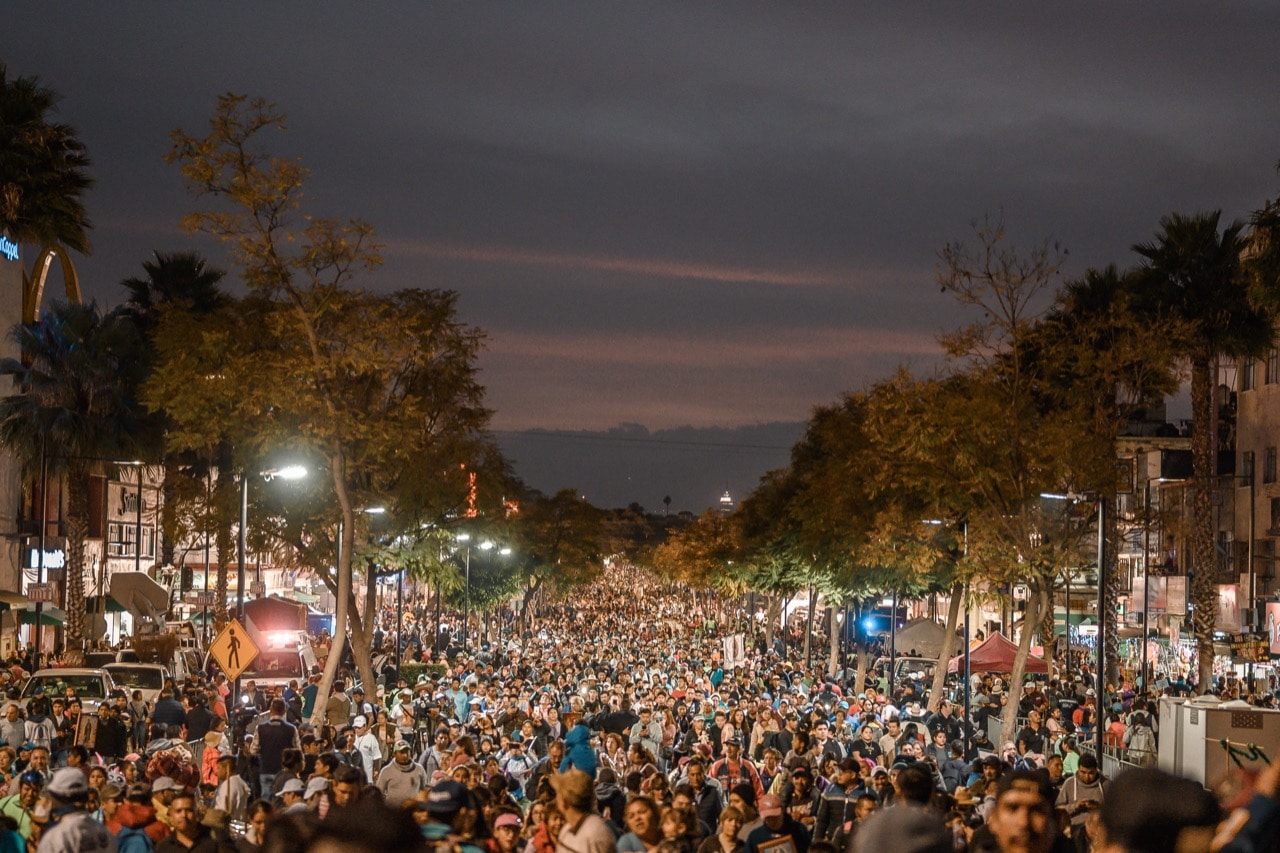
869, 624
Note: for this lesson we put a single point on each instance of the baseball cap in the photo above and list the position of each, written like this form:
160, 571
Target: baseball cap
317, 785
164, 783
446, 797
508, 819
69, 784
360, 721
293, 786
770, 806
401, 744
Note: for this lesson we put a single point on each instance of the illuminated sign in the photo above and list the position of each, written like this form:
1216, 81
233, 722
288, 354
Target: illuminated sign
8, 248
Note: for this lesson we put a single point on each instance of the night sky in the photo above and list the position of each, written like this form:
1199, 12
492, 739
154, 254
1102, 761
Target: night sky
684, 214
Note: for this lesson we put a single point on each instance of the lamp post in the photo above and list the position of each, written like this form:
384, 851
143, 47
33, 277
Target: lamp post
289, 472
466, 595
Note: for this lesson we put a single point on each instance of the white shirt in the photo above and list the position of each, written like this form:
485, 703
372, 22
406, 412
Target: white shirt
370, 754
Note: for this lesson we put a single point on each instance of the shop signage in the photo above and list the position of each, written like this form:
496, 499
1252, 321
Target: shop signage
8, 248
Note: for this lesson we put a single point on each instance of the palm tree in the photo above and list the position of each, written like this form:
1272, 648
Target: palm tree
1193, 272
177, 282
42, 179
74, 399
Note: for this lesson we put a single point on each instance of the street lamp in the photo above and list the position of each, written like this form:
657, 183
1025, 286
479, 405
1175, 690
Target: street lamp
1100, 677
289, 472
466, 596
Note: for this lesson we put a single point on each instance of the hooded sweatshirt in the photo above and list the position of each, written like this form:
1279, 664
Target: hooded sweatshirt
578, 751
399, 782
138, 816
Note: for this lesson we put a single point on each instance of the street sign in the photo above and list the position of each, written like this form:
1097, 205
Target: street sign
233, 649
258, 588
43, 592
205, 598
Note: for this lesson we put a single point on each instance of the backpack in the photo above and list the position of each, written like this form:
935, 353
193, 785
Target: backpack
1141, 742
134, 840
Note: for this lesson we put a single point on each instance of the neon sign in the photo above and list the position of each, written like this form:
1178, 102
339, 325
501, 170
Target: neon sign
8, 248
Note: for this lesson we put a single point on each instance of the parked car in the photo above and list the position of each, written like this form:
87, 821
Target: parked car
92, 686
147, 678
185, 662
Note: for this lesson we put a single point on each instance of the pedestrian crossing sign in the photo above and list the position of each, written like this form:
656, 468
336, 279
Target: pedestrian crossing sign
233, 649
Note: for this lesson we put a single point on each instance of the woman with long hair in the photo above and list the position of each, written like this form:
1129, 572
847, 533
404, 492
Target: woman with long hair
643, 820
726, 840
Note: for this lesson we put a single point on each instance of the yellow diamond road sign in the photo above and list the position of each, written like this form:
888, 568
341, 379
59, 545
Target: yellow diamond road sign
233, 649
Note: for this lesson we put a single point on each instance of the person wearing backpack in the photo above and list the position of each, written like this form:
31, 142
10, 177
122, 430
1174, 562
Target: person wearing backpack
1141, 741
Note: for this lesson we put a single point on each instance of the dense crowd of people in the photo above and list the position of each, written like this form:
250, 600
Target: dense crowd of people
611, 724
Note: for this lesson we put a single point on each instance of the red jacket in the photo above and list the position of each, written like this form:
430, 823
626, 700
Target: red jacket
137, 816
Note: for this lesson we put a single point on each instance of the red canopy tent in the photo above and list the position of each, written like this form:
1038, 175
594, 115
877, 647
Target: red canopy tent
996, 654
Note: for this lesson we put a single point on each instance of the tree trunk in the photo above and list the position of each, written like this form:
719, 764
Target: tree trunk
169, 511
833, 655
1036, 600
362, 639
1111, 601
346, 535
948, 645
860, 651
770, 621
1204, 590
808, 633
73, 578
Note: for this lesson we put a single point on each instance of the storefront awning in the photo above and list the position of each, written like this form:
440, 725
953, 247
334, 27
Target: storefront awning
50, 615
302, 597
12, 600
93, 604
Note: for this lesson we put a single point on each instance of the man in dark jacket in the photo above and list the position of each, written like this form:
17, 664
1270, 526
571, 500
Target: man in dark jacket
199, 718
112, 740
168, 711
273, 738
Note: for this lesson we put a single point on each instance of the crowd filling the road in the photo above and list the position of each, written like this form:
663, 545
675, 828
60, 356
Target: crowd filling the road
609, 724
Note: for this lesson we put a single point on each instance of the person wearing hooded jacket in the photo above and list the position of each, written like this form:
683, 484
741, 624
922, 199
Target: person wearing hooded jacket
402, 778
137, 813
578, 751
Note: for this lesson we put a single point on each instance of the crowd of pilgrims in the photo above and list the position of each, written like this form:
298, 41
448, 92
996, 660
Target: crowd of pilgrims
614, 724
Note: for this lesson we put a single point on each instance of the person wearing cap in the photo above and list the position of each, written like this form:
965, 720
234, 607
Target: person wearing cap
836, 806
361, 707
734, 770
18, 806
232, 794
777, 825
316, 795
367, 747
109, 799
583, 831
506, 829
72, 828
137, 816
293, 796
401, 779
450, 811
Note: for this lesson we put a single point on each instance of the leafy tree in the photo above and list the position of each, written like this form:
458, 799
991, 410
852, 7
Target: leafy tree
74, 404
557, 539
376, 386
1192, 271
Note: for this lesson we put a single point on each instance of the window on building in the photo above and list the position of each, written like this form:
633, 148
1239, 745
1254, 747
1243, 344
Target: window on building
122, 540
1273, 367
1246, 375
1246, 468
1269, 466
1275, 513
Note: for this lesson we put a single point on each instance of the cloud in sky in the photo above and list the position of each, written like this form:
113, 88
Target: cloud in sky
673, 213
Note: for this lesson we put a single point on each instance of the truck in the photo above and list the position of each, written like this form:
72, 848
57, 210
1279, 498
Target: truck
278, 627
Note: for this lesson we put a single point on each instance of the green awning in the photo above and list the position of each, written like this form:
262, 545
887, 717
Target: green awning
303, 598
93, 604
50, 616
